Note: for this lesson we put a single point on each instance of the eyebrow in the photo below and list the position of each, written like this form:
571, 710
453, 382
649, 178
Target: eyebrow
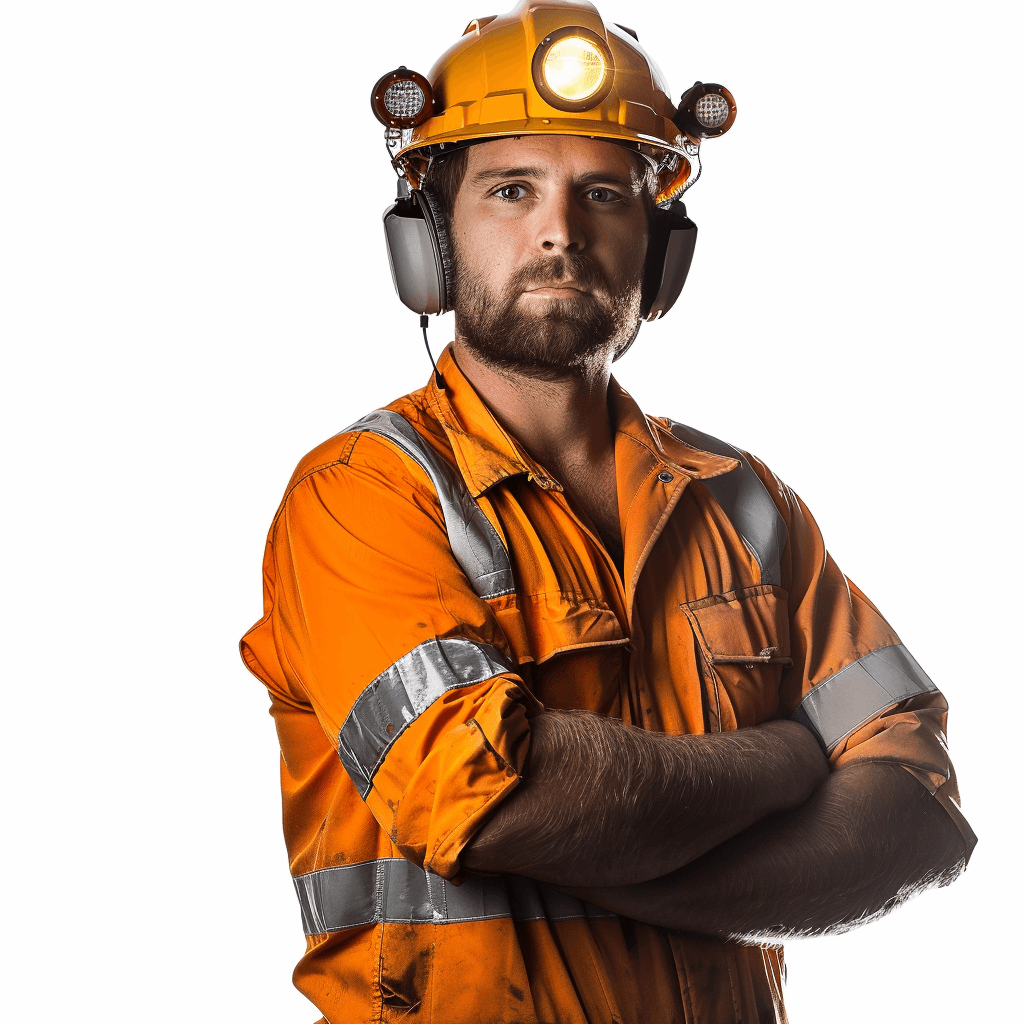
497, 173
503, 173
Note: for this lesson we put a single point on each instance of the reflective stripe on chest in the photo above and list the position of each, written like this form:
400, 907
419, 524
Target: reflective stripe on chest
475, 544
746, 502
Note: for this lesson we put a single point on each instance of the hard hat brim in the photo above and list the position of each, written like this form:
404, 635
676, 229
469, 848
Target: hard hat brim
415, 155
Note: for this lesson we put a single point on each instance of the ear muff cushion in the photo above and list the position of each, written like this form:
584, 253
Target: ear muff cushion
669, 253
435, 222
654, 263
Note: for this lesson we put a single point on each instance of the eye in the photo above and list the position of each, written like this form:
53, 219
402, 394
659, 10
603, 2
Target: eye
510, 193
603, 195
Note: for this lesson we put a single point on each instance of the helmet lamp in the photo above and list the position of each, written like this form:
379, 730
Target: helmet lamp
572, 69
402, 99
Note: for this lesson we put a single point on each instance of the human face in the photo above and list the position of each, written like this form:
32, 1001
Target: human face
550, 235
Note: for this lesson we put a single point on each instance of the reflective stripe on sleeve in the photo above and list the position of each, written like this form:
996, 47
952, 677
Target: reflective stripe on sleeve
474, 542
854, 695
403, 692
393, 890
746, 501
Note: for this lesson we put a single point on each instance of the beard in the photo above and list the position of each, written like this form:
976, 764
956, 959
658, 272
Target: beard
566, 338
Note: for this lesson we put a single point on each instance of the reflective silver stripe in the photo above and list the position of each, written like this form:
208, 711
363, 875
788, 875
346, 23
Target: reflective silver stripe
535, 901
405, 690
746, 501
396, 891
474, 541
854, 695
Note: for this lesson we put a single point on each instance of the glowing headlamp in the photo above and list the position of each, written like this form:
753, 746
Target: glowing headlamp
402, 99
572, 69
705, 111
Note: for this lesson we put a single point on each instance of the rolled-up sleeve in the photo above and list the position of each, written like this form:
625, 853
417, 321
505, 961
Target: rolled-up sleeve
372, 623
852, 681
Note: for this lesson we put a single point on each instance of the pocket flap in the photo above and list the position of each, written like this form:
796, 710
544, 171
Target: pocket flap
749, 626
743, 637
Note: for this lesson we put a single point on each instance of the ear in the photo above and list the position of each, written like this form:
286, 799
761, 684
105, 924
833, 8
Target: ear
418, 250
669, 254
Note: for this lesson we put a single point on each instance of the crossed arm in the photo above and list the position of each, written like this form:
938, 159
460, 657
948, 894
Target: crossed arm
744, 835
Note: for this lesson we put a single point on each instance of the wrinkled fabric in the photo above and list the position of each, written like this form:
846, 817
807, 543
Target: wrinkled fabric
359, 575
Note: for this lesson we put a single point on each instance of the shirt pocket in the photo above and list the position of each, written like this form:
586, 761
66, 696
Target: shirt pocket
743, 640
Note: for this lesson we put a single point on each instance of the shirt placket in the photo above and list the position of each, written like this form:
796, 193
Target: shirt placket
650, 488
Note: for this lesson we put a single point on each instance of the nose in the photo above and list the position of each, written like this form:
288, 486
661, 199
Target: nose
559, 224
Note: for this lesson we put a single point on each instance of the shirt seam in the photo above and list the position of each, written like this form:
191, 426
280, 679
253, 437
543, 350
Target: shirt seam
342, 460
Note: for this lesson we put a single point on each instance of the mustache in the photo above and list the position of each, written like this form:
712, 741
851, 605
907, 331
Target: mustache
551, 271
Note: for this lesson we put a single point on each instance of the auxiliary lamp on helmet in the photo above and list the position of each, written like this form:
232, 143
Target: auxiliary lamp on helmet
402, 99
547, 67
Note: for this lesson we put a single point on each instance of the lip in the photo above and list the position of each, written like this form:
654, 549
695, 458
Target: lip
555, 291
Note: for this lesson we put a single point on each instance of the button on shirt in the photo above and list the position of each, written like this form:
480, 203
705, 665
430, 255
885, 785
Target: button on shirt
427, 593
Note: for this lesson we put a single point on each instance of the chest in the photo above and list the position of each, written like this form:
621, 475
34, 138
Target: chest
688, 639
591, 493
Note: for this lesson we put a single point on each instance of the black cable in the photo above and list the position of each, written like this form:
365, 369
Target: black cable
439, 380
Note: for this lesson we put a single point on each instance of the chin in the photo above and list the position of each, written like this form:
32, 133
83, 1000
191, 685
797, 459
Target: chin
567, 339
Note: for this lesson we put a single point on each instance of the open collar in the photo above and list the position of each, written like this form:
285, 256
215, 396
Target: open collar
487, 454
656, 435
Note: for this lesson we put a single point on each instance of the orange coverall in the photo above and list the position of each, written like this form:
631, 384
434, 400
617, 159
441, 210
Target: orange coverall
428, 590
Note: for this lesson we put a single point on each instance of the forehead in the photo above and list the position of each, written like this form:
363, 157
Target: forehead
551, 156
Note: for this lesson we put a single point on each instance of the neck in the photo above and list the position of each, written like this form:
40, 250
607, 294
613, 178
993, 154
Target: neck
560, 422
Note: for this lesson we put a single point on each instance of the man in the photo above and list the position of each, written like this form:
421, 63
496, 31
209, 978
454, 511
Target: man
578, 718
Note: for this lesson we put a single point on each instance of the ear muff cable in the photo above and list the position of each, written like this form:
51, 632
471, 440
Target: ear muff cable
438, 379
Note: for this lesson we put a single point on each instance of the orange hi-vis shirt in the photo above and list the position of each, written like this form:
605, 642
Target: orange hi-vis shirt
428, 590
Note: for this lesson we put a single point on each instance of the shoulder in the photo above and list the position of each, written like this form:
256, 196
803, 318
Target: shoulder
379, 456
340, 448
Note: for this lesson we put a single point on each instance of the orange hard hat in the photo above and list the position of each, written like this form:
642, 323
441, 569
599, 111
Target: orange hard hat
549, 67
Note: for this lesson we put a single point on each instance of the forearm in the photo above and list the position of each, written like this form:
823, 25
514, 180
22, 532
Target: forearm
604, 803
868, 839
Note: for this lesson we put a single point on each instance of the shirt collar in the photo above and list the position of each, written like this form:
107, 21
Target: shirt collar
486, 453
656, 435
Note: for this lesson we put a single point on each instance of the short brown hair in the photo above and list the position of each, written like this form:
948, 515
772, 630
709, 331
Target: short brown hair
445, 180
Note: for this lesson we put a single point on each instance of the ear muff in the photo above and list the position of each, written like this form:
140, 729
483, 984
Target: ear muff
669, 254
418, 250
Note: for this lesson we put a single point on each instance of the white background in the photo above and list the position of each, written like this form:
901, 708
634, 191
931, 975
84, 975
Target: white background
195, 292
